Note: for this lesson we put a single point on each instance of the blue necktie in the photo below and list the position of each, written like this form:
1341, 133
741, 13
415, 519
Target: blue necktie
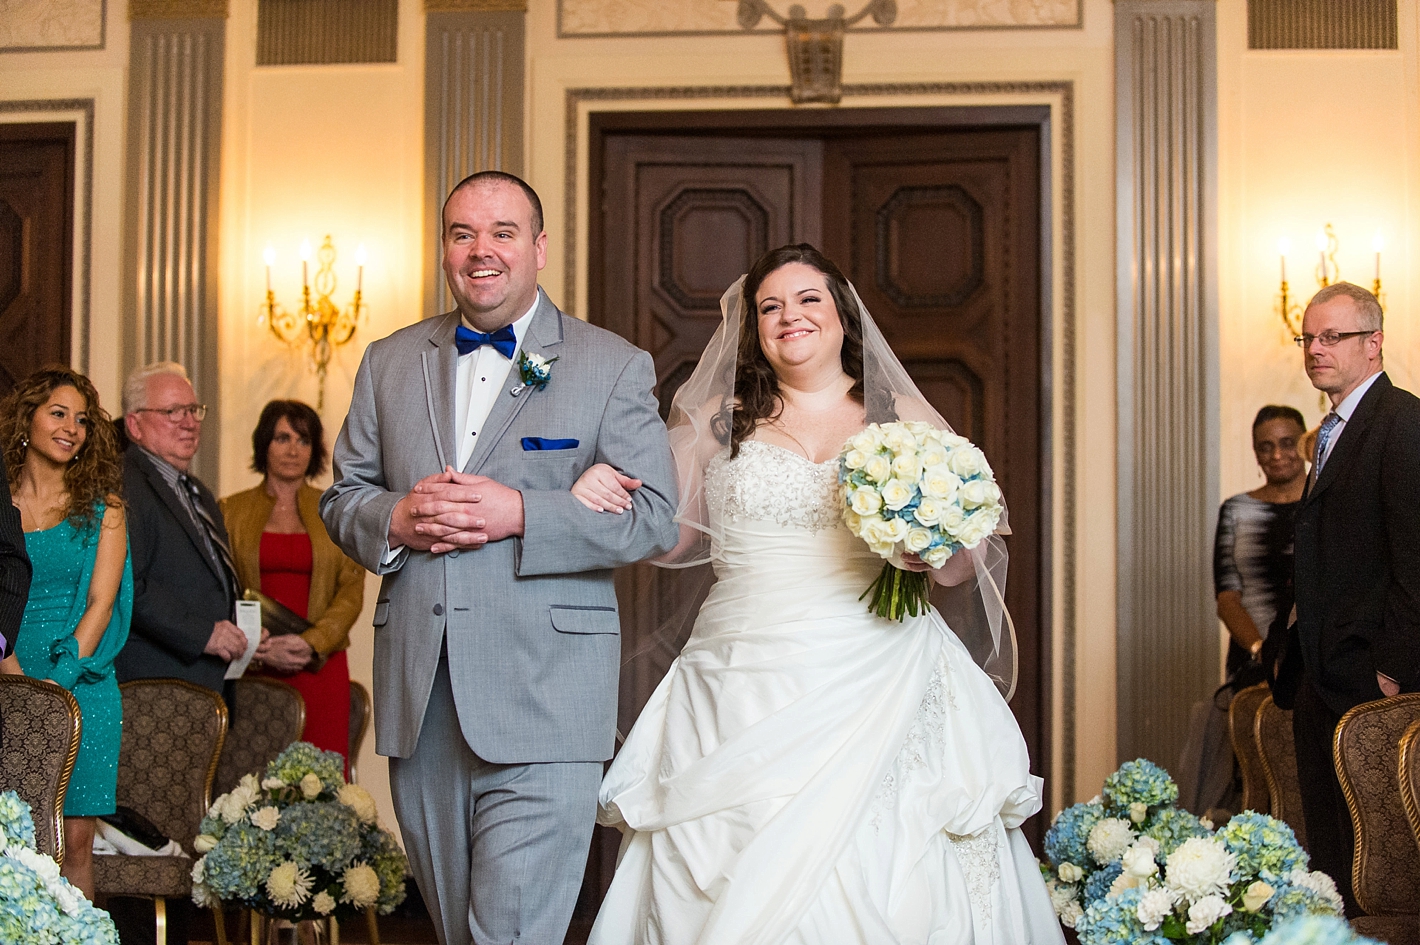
1323, 436
503, 340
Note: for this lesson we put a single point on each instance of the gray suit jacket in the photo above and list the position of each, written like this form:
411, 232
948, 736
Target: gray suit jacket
532, 630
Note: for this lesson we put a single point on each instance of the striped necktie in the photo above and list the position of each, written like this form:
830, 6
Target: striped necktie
1323, 437
216, 544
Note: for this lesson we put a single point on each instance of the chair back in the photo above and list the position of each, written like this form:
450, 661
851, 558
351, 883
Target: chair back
1385, 874
267, 716
359, 722
41, 726
172, 735
1242, 730
1410, 777
1278, 749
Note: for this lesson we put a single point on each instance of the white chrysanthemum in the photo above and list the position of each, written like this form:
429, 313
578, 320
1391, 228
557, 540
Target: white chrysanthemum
1319, 883
272, 784
199, 869
359, 800
203, 897
311, 786
1138, 811
362, 886
265, 818
1205, 912
69, 898
1109, 839
1154, 907
1200, 867
1138, 861
323, 903
866, 501
1070, 873
43, 866
1256, 895
204, 843
288, 885
1071, 914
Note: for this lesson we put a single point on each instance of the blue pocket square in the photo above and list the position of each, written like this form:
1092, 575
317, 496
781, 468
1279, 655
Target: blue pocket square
539, 443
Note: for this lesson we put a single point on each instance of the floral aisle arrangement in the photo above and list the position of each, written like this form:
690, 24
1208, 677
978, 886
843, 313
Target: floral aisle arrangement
1315, 930
1131, 866
37, 905
911, 488
299, 844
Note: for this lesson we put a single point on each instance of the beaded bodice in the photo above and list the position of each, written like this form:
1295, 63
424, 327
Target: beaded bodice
769, 483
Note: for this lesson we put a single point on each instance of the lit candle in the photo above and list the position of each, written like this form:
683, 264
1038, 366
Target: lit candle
1378, 244
269, 255
1284, 246
360, 257
1321, 251
305, 258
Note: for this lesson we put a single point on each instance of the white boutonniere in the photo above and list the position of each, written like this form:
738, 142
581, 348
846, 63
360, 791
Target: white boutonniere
535, 370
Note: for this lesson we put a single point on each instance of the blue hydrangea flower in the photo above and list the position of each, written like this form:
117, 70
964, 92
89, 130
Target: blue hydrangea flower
1114, 920
1065, 840
1314, 930
303, 758
1265, 847
1171, 826
1139, 782
16, 820
1290, 902
324, 834
240, 863
1097, 886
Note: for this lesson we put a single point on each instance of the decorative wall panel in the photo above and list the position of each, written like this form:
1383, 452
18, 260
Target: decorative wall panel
315, 32
51, 25
1322, 24
1166, 121
473, 114
170, 262
659, 18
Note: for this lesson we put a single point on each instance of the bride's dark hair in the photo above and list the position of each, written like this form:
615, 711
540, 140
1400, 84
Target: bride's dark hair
756, 384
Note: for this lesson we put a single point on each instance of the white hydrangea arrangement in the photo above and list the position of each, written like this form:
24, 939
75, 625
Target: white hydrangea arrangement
300, 843
37, 905
1130, 866
910, 488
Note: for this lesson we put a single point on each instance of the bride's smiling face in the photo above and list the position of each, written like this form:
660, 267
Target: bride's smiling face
799, 326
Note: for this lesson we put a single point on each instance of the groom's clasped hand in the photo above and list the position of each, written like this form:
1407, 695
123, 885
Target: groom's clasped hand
452, 510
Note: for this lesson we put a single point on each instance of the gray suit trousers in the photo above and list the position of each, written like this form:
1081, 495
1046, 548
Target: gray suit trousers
498, 850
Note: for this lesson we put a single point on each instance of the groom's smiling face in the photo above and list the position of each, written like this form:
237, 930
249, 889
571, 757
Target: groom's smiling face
491, 254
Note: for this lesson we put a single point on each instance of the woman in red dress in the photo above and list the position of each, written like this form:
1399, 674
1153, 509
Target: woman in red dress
282, 549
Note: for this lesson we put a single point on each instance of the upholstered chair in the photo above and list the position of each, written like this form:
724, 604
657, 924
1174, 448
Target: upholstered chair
1242, 728
1278, 749
172, 736
41, 741
267, 716
1385, 871
359, 722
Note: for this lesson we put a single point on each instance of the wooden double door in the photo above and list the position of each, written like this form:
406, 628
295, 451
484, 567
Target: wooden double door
939, 230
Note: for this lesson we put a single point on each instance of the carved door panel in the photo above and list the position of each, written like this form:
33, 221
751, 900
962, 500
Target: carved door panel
940, 233
36, 247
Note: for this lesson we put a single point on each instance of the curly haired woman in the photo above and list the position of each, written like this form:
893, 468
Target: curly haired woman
65, 473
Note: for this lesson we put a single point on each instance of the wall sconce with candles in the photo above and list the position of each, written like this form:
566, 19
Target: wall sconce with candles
1327, 272
322, 324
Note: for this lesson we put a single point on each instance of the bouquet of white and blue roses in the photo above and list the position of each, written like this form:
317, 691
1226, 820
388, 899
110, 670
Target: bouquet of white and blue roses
299, 843
1131, 866
37, 905
909, 488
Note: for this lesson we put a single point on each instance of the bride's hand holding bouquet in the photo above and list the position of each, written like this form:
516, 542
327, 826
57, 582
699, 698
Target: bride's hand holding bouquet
917, 496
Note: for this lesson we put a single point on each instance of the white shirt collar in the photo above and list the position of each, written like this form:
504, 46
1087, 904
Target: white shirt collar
1348, 406
520, 327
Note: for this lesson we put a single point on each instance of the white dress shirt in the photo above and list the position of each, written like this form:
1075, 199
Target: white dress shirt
1344, 410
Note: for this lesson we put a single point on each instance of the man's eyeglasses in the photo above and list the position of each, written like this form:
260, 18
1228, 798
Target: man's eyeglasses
1329, 338
175, 414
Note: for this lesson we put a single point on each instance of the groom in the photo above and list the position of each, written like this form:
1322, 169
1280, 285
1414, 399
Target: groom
497, 640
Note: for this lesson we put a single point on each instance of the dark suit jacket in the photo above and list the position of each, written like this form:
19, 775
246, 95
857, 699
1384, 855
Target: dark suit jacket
178, 592
1358, 555
14, 567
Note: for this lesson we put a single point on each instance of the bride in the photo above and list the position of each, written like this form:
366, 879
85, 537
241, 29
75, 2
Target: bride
807, 773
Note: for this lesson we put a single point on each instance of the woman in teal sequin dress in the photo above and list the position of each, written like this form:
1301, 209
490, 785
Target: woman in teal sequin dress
67, 473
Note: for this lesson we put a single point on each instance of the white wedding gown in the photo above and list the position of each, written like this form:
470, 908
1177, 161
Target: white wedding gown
809, 774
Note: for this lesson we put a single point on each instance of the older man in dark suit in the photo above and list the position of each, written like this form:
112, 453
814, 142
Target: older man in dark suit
184, 584
1357, 555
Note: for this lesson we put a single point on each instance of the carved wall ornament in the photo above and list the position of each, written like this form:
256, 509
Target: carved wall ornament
815, 46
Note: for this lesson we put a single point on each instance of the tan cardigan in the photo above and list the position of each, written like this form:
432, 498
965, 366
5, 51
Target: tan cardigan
337, 582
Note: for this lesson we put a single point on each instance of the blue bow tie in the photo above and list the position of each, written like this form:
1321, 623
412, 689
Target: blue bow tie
503, 340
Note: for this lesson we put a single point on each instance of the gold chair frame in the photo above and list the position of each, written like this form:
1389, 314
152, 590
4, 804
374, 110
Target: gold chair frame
1242, 732
71, 754
1409, 775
